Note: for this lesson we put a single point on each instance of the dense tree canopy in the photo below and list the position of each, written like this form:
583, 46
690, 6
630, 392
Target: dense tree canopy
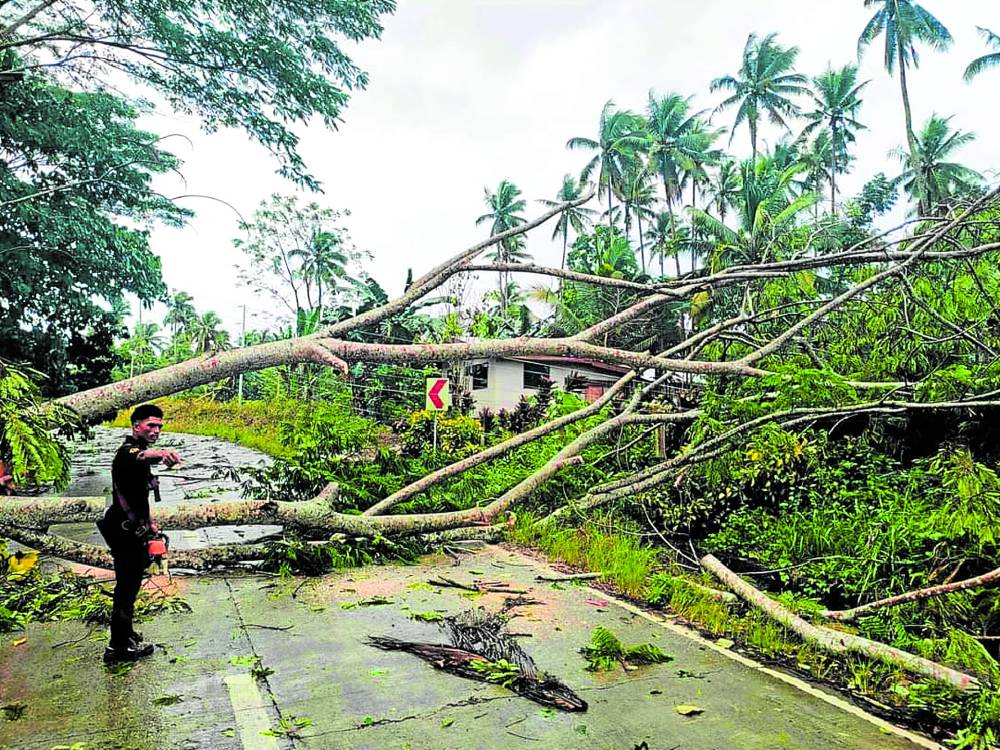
75, 208
256, 66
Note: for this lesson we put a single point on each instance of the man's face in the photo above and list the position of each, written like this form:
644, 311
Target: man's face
148, 429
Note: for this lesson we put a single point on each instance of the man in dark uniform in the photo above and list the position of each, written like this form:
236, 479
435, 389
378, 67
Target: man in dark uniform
127, 525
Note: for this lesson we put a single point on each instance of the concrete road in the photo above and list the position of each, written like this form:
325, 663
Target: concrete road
273, 664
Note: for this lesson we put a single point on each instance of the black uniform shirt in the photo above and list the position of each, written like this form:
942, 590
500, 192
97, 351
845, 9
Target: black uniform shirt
131, 477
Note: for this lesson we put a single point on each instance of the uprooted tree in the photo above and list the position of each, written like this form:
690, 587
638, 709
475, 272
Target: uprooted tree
791, 345
763, 335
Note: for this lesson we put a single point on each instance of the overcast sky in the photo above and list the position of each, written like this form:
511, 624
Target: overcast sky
464, 94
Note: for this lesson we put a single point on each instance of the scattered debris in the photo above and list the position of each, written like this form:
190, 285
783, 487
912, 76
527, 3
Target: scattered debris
606, 652
168, 699
571, 577
688, 710
482, 650
427, 616
478, 586
512, 602
13, 711
269, 627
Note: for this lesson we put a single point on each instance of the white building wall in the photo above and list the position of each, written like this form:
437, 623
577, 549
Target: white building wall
506, 383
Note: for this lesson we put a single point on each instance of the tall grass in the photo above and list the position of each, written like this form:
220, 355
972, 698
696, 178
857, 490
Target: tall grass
621, 560
253, 424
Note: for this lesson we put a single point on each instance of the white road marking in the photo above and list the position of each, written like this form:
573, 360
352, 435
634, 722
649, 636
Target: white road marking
252, 712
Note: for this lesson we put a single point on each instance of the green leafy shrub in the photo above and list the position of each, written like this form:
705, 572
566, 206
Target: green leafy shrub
457, 436
605, 652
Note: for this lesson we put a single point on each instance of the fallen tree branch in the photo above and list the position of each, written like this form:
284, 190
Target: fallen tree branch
832, 640
500, 449
570, 577
495, 587
989, 579
197, 559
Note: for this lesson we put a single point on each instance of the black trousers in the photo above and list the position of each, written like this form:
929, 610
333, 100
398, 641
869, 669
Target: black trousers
130, 564
131, 560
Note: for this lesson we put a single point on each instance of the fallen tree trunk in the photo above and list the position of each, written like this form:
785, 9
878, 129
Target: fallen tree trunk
835, 641
199, 559
846, 615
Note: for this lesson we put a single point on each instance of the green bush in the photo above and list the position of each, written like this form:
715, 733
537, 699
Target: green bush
457, 436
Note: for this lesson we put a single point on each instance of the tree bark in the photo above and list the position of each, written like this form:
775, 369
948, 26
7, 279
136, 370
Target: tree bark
834, 641
846, 615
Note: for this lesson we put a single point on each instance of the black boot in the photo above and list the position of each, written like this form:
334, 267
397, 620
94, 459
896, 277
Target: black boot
131, 652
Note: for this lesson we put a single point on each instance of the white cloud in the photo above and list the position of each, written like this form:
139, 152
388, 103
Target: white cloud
464, 94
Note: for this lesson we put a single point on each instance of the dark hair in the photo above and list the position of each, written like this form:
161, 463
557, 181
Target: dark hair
145, 411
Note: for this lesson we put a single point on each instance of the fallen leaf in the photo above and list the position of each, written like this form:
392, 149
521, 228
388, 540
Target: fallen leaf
598, 602
656, 692
447, 723
166, 700
20, 642
21, 563
688, 710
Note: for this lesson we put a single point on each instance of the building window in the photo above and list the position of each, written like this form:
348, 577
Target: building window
480, 376
535, 374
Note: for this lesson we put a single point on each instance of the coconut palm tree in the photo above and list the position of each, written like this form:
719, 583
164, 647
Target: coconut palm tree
723, 188
660, 240
577, 218
620, 132
672, 128
817, 158
767, 210
703, 154
636, 197
904, 23
206, 336
180, 312
836, 102
506, 212
323, 263
764, 85
143, 346
990, 60
932, 180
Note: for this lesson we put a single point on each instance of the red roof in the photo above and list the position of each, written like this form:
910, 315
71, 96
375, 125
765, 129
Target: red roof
569, 361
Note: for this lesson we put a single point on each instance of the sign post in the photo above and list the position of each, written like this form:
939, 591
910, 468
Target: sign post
437, 397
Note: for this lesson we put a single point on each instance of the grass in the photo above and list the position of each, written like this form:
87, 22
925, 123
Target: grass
621, 560
253, 424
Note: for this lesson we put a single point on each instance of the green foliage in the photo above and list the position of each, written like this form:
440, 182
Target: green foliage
620, 559
605, 652
457, 436
77, 199
39, 596
292, 555
28, 448
500, 672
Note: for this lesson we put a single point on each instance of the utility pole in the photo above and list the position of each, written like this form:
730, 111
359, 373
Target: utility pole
243, 342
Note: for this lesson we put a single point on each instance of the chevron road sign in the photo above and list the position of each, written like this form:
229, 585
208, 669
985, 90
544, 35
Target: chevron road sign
438, 396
